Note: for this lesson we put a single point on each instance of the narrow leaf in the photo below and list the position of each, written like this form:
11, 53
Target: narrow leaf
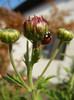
11, 80
49, 77
8, 79
35, 56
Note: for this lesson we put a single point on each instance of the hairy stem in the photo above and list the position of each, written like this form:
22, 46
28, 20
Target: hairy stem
54, 54
32, 93
13, 64
27, 58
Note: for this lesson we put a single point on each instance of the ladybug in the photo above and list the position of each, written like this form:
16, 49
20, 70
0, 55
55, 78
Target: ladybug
47, 38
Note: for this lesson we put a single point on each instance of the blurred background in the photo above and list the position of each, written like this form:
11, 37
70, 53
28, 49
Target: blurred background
59, 13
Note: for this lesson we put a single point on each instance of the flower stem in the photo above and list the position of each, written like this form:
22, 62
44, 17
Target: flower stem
30, 77
27, 50
13, 64
32, 93
54, 54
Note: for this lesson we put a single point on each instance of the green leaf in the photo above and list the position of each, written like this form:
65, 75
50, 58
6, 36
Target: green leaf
9, 75
35, 56
43, 84
15, 78
56, 95
49, 77
12, 80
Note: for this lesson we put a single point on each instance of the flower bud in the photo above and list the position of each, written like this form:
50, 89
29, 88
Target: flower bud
64, 35
35, 28
9, 35
24, 77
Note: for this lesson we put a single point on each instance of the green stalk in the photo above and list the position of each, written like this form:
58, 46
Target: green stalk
32, 93
54, 54
27, 50
30, 77
13, 64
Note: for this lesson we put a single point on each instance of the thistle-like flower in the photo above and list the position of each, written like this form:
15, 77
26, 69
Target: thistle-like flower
9, 35
35, 28
64, 35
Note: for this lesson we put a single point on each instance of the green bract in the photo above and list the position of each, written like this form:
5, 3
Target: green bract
64, 35
9, 35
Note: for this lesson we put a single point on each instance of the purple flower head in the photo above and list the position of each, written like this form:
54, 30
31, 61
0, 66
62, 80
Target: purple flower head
35, 28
